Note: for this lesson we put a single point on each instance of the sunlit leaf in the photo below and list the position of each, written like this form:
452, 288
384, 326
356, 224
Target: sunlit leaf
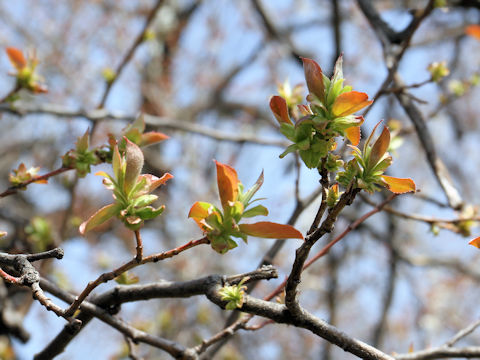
267, 229
99, 218
227, 180
152, 137
256, 211
353, 135
314, 78
475, 242
398, 185
278, 105
16, 58
349, 102
199, 210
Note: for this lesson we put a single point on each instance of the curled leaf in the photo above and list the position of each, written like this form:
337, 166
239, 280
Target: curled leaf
314, 78
349, 102
227, 180
134, 164
279, 107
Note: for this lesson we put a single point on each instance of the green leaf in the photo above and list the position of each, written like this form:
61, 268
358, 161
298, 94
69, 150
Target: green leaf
149, 212
134, 164
83, 142
288, 150
144, 200
99, 217
256, 211
246, 197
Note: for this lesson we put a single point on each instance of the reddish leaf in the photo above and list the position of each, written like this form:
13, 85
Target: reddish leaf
16, 58
349, 102
154, 181
304, 110
475, 242
152, 137
473, 30
267, 229
379, 148
278, 105
314, 78
99, 218
398, 185
227, 180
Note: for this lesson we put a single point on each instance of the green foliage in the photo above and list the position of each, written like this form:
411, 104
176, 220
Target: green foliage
234, 294
131, 191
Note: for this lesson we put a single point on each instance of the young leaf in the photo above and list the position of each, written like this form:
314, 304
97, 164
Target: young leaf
227, 180
353, 135
270, 230
99, 217
349, 102
379, 148
16, 58
255, 211
117, 165
134, 163
475, 242
278, 105
83, 142
249, 194
199, 210
398, 185
314, 78
152, 137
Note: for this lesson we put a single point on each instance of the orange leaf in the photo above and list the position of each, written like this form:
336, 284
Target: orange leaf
267, 229
199, 210
349, 102
152, 137
380, 147
353, 135
227, 180
398, 185
278, 105
473, 30
16, 58
314, 78
475, 242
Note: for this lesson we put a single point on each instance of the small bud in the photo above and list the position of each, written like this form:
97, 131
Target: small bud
438, 70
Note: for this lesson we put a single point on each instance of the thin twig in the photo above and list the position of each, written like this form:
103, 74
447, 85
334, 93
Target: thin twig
128, 55
13, 189
105, 277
